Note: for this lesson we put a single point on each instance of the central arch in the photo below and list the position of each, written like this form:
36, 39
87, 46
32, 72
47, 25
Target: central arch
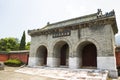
64, 54
61, 51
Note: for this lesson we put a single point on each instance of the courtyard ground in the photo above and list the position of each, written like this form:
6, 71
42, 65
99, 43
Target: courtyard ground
10, 74
26, 73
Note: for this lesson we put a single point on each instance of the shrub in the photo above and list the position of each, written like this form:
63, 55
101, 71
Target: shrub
13, 62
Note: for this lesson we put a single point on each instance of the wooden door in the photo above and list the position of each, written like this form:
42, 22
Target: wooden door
89, 56
63, 55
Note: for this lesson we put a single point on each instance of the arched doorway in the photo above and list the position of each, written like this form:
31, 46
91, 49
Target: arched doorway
64, 54
42, 55
61, 51
89, 55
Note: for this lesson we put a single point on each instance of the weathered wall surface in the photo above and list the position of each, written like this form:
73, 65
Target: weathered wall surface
4, 57
23, 56
98, 35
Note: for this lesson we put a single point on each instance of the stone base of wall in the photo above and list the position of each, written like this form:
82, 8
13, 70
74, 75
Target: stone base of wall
74, 63
103, 63
113, 73
108, 63
32, 61
53, 62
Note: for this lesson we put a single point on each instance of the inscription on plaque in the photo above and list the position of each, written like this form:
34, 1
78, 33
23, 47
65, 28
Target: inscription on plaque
62, 33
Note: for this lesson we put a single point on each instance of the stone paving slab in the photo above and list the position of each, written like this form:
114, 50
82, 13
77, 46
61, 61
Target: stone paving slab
9, 74
67, 74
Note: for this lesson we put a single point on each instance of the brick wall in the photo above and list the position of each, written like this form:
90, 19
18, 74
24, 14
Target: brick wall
22, 55
117, 52
118, 58
4, 57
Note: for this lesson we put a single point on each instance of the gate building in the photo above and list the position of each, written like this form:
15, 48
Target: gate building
83, 42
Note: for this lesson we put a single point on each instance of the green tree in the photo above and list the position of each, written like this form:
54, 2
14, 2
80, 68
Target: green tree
8, 44
27, 47
23, 42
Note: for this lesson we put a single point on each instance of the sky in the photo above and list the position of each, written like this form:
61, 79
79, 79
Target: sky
19, 15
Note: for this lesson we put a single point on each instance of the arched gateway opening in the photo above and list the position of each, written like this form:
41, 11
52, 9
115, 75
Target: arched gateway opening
42, 55
88, 55
61, 51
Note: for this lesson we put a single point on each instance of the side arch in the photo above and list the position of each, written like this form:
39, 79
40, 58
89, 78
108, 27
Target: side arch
41, 55
87, 51
84, 41
88, 55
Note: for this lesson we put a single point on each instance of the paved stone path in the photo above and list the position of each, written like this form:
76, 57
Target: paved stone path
10, 74
67, 74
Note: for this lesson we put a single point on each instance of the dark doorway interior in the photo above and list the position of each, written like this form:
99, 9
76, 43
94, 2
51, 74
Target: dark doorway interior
45, 56
63, 54
89, 56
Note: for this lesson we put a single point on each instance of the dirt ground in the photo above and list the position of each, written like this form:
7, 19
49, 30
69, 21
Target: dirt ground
9, 74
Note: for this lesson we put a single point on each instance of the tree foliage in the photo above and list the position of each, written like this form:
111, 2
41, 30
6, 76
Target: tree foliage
8, 44
27, 47
12, 44
23, 42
